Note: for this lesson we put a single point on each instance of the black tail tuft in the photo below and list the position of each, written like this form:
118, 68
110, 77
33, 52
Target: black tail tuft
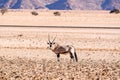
76, 58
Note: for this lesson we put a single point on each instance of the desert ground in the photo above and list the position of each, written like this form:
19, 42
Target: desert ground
24, 53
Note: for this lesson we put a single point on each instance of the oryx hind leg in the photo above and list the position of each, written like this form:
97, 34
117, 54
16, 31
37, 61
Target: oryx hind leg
72, 54
76, 58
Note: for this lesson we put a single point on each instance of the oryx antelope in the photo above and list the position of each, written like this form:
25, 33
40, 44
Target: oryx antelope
62, 49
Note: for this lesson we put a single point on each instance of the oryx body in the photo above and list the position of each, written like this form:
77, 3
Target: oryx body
62, 49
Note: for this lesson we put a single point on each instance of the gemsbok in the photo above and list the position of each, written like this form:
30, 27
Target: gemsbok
62, 49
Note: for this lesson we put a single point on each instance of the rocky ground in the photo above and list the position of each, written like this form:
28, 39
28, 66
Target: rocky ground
86, 69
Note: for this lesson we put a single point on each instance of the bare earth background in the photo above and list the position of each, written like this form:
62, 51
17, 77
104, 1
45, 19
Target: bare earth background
67, 18
24, 53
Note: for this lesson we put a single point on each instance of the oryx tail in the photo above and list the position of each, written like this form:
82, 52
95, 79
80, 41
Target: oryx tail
76, 58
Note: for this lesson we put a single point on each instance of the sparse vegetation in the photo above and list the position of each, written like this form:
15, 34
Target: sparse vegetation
20, 35
34, 13
4, 10
57, 13
115, 11
27, 69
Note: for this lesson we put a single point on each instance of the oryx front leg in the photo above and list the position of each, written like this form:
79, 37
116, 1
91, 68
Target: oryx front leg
58, 57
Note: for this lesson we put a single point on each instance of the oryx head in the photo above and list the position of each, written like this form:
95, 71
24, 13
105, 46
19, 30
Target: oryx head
51, 43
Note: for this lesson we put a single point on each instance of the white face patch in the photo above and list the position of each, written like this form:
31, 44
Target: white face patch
52, 46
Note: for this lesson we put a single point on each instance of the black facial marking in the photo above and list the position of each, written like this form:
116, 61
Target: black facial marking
50, 43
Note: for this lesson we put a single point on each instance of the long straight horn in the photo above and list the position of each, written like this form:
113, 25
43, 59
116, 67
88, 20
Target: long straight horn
49, 38
54, 39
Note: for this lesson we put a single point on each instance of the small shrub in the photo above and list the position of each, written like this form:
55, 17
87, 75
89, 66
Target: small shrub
115, 11
57, 13
3, 11
20, 35
34, 13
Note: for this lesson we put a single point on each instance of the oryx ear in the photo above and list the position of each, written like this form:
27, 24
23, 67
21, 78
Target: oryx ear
48, 43
53, 42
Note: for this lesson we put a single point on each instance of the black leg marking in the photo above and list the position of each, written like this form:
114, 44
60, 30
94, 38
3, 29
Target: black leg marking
58, 57
71, 56
76, 58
